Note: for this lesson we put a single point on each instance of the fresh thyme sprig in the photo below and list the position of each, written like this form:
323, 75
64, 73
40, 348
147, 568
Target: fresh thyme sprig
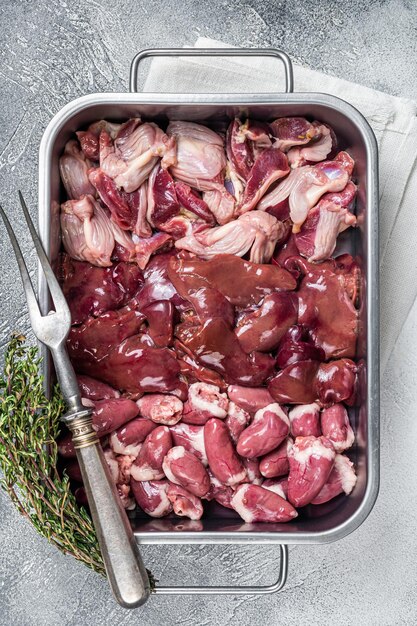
29, 427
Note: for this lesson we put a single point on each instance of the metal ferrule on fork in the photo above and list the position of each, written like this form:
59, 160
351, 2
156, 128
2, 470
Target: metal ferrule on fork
81, 427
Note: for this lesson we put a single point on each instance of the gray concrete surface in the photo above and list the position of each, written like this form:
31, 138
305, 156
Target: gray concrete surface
53, 51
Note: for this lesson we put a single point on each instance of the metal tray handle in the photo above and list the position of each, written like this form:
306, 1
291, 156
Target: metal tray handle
237, 590
212, 52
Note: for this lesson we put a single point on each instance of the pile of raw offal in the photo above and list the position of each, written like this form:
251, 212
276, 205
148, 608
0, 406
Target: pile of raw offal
213, 333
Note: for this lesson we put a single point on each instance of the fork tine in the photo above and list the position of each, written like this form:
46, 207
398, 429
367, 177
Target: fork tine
54, 287
34, 312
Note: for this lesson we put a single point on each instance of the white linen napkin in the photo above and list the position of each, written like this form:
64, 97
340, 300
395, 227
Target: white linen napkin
395, 125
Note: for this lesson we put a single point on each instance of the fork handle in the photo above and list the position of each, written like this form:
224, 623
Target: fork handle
124, 566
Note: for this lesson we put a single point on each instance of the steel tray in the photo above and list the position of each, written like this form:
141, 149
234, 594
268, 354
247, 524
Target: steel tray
341, 516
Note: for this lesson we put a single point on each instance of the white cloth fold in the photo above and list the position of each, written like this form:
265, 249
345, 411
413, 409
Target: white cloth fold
395, 125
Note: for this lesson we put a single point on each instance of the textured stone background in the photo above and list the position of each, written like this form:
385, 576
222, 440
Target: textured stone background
52, 52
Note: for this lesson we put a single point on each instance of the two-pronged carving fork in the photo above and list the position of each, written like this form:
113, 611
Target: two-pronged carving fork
126, 572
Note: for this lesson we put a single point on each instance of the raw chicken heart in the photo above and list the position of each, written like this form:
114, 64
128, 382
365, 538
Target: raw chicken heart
113, 413
311, 461
256, 504
268, 430
223, 460
152, 497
